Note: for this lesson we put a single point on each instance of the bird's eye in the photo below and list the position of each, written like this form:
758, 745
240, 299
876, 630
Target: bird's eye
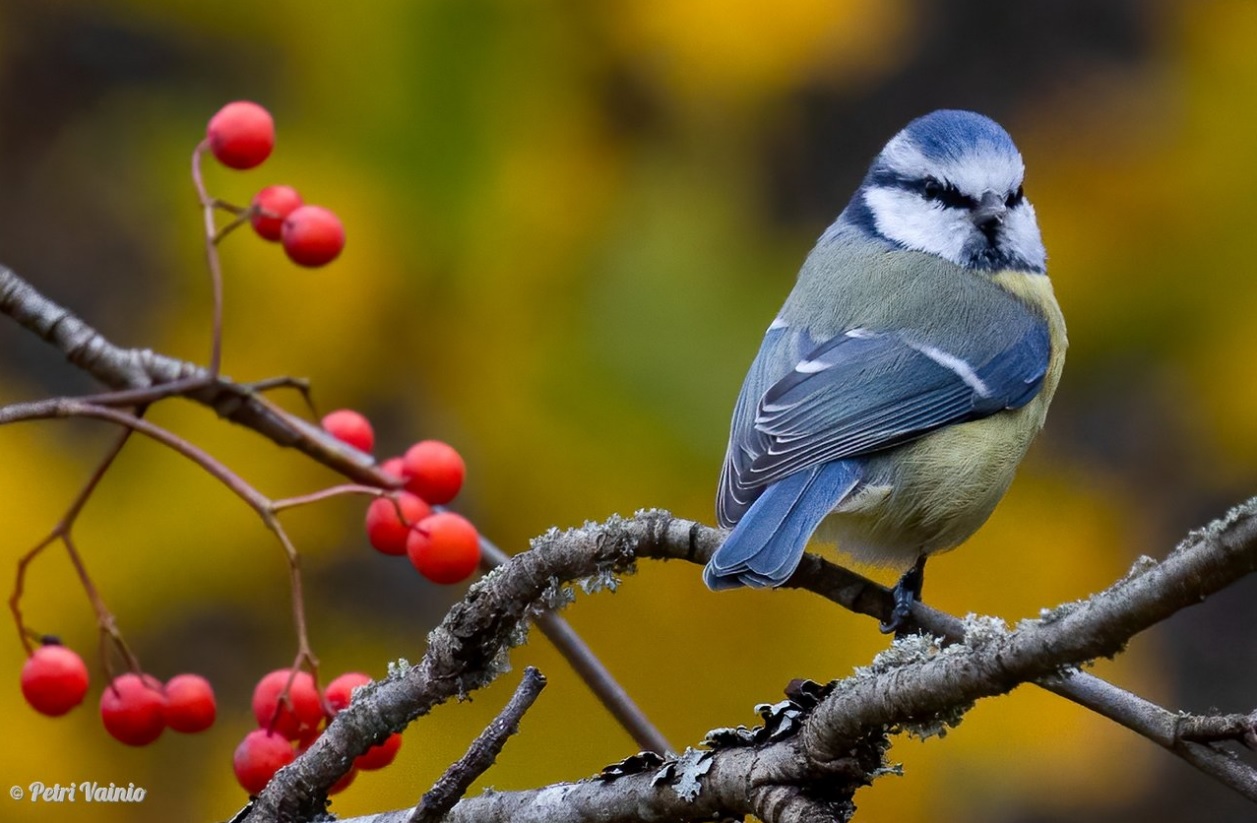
1015, 197
934, 190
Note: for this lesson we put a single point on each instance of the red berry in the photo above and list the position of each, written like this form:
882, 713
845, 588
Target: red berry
258, 757
345, 779
340, 691
271, 205
190, 706
348, 426
54, 680
306, 709
377, 757
312, 236
385, 530
132, 710
308, 735
241, 135
393, 466
434, 471
342, 784
445, 548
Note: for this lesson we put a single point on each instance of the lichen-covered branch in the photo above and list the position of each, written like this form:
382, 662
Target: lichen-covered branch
919, 684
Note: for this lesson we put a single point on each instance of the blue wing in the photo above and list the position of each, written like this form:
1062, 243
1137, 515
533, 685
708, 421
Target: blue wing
767, 545
864, 391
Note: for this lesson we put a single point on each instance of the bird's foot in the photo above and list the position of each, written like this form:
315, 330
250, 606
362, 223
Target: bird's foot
906, 592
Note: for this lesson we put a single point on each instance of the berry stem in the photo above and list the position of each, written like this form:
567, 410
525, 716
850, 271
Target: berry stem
62, 531
328, 493
305, 655
69, 407
208, 204
105, 620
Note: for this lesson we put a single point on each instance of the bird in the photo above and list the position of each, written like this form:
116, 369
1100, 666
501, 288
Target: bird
906, 374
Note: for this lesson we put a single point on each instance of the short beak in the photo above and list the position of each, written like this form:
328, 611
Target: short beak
989, 213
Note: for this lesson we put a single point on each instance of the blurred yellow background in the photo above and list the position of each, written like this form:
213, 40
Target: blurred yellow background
568, 225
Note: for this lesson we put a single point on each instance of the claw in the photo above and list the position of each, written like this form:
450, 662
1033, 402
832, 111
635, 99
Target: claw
906, 592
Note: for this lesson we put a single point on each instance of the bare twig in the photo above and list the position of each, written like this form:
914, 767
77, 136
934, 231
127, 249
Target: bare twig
327, 494
153, 376
62, 531
67, 407
590, 668
1240, 728
211, 258
482, 753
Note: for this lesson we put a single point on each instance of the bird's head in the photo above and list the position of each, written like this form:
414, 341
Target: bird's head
950, 184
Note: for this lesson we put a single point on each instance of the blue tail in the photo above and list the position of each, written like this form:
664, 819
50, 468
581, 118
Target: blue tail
766, 545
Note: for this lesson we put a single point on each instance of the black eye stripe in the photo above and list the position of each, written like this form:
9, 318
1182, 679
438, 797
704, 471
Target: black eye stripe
1016, 197
945, 193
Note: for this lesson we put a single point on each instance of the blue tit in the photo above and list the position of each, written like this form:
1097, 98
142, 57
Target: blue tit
904, 378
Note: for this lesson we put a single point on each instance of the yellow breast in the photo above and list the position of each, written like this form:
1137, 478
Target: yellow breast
930, 495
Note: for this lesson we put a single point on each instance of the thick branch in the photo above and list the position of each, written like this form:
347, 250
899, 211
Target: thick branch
918, 685
658, 795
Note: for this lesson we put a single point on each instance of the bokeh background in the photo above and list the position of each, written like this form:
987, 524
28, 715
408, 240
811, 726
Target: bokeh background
568, 225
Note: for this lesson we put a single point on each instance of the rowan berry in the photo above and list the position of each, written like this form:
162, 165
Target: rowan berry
342, 784
190, 705
445, 547
340, 691
241, 135
54, 679
258, 757
393, 466
434, 471
131, 707
381, 755
348, 426
270, 207
385, 530
305, 711
312, 236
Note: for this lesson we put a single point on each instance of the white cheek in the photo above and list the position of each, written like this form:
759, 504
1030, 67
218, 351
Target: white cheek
1021, 235
905, 218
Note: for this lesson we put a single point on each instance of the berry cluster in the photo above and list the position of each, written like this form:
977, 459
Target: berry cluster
134, 708
242, 135
443, 546
291, 714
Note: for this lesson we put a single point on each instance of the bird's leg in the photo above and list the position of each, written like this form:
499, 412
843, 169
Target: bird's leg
906, 592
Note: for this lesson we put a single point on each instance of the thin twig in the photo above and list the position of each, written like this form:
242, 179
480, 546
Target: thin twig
62, 531
140, 376
65, 407
589, 667
1240, 728
327, 494
298, 384
211, 259
305, 653
482, 753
